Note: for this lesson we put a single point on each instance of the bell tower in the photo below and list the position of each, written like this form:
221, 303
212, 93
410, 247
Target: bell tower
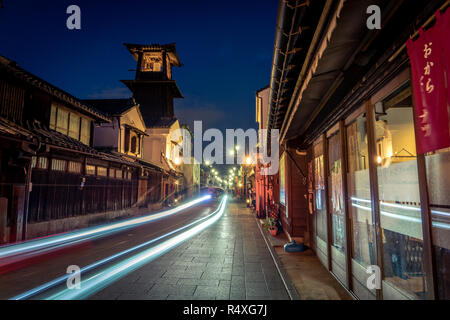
153, 87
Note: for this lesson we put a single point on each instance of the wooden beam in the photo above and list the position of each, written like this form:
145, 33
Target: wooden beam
325, 174
374, 196
347, 214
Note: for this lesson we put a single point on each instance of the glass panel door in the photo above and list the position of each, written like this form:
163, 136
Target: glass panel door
360, 208
335, 194
400, 212
320, 203
438, 176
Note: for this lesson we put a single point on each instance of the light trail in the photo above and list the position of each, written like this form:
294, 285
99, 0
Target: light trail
437, 224
60, 240
61, 279
120, 269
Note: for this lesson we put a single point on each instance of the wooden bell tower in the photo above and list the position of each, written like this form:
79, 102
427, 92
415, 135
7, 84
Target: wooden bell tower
153, 87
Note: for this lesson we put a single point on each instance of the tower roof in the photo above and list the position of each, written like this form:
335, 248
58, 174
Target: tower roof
169, 48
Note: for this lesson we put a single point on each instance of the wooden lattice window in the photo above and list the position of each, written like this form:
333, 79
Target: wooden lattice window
59, 165
90, 170
74, 167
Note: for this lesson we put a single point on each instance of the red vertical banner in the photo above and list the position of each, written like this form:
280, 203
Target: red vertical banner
443, 23
428, 65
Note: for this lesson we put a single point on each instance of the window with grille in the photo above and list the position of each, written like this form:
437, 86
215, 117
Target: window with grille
133, 144
85, 135
74, 126
33, 162
59, 165
74, 167
70, 123
42, 163
90, 170
102, 171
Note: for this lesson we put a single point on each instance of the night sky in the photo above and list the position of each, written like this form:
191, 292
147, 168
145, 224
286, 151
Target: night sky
226, 48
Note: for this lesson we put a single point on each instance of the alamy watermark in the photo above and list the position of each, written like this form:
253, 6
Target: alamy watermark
374, 280
74, 20
74, 278
214, 151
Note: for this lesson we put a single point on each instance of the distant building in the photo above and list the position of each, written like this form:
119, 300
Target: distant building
262, 190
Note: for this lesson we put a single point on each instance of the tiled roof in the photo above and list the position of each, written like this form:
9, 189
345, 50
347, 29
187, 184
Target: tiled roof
161, 123
11, 68
38, 133
170, 49
111, 107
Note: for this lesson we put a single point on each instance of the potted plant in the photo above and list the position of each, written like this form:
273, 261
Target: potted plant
270, 224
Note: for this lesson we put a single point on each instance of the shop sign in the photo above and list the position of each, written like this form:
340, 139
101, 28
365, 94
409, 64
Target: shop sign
429, 58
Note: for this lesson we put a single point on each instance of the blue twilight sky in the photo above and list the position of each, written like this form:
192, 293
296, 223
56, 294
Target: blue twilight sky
226, 48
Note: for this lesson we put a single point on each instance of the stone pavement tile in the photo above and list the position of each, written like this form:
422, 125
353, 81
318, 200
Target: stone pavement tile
258, 298
199, 282
225, 283
226, 269
254, 276
238, 280
256, 289
137, 296
161, 289
184, 274
237, 295
105, 295
209, 291
196, 268
253, 266
166, 280
216, 275
229, 260
180, 297
137, 288
237, 271
213, 292
279, 294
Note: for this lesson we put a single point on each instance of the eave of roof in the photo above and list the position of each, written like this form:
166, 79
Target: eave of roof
170, 49
39, 134
112, 107
11, 68
131, 84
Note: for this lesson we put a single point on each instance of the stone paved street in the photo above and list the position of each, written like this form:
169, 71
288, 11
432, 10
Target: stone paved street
229, 260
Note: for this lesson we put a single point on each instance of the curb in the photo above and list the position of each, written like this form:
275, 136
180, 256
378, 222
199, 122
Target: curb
288, 284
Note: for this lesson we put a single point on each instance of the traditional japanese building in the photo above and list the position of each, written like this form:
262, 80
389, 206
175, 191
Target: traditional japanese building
49, 169
364, 141
124, 137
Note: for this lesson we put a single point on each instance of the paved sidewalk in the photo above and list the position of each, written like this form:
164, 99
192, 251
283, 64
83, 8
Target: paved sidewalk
229, 260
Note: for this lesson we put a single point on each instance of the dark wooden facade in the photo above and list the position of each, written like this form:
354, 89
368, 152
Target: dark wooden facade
47, 175
358, 218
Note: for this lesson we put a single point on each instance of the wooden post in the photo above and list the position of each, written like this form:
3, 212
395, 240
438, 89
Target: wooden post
428, 252
17, 213
3, 219
347, 216
27, 200
375, 203
325, 175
